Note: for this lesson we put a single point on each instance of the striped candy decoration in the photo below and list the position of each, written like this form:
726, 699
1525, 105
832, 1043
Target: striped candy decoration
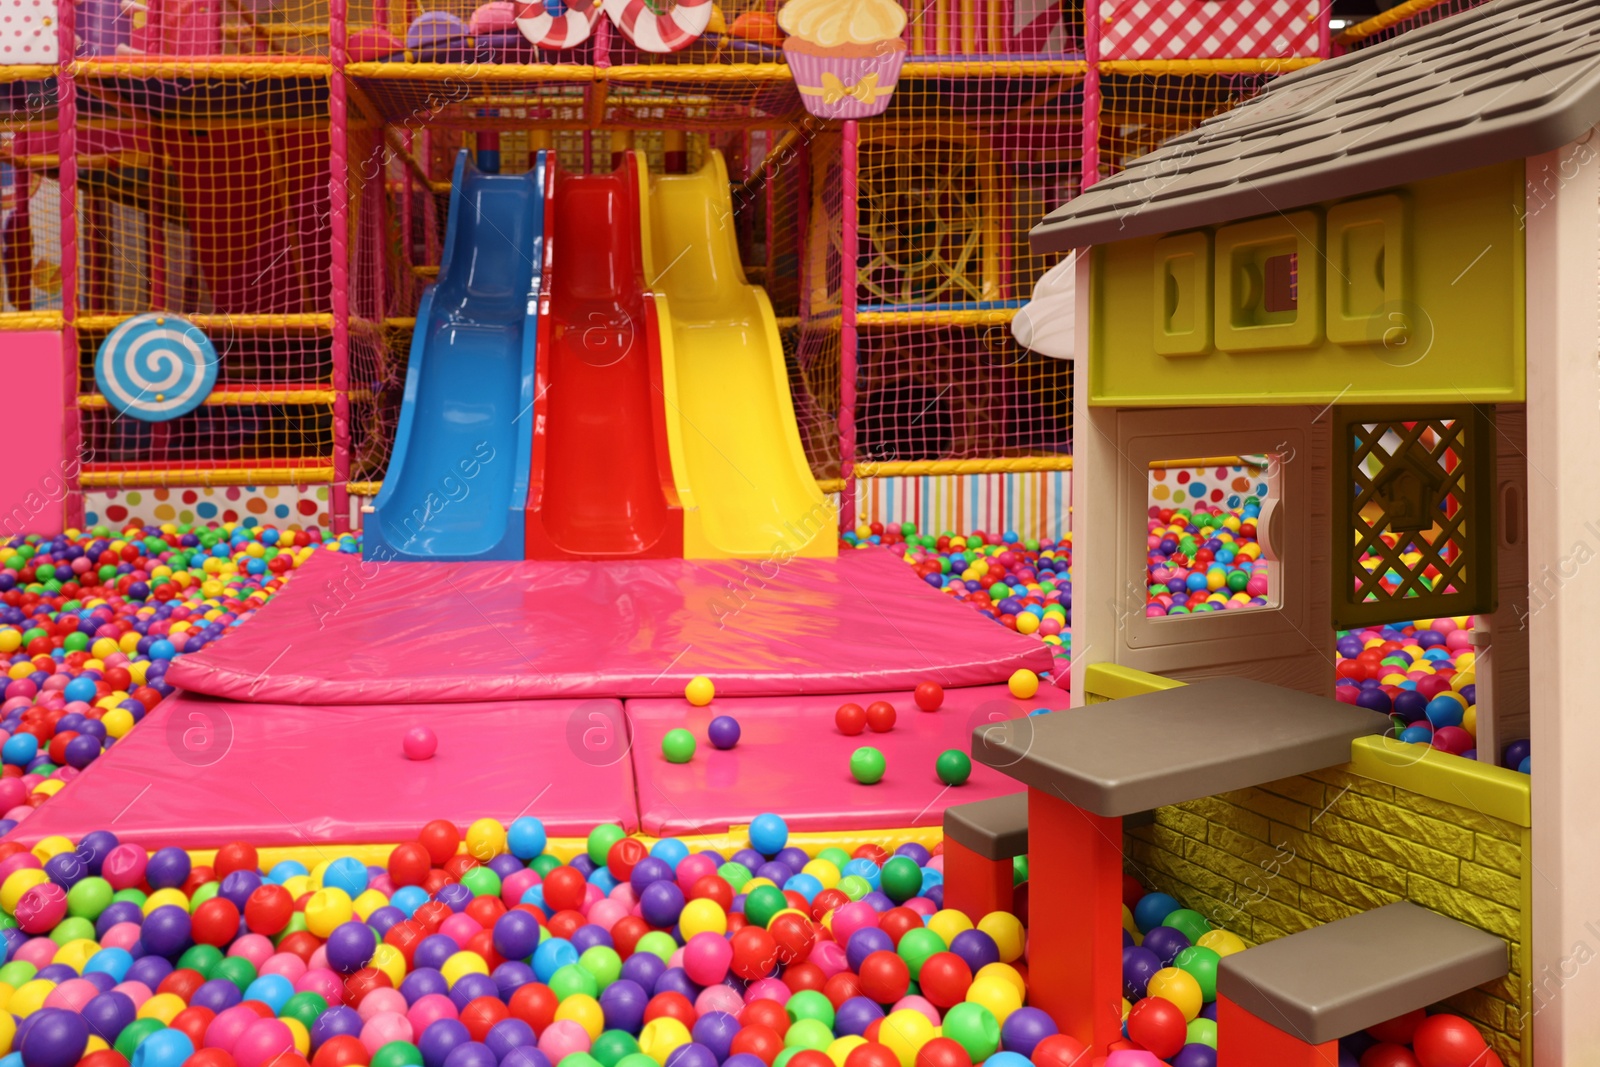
1033, 503
156, 367
662, 25
568, 29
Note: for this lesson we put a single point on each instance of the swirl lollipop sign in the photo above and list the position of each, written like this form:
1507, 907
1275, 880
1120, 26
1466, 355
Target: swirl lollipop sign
156, 367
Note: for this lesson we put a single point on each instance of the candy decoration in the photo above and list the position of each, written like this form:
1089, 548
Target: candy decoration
156, 367
567, 27
662, 26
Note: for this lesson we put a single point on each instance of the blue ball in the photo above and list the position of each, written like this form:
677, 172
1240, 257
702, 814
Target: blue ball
553, 954
670, 851
164, 1048
1414, 734
1008, 1059
1526, 766
525, 837
768, 832
1445, 711
1152, 909
347, 873
80, 689
273, 990
19, 749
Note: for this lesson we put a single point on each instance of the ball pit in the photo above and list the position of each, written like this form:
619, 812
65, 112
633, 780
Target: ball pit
90, 620
1205, 559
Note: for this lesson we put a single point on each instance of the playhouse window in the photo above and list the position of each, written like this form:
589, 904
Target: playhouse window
1209, 548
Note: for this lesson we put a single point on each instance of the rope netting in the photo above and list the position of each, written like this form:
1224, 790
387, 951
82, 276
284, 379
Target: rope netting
30, 201
131, 28
1139, 112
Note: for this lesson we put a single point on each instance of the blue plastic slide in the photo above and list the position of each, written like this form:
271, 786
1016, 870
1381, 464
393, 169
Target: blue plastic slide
457, 483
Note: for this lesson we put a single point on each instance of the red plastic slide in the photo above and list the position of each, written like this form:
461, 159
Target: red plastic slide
601, 486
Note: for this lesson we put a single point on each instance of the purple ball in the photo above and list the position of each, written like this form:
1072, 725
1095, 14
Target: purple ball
645, 969
525, 1056
165, 931
442, 1037
749, 857
793, 858
504, 865
149, 969
56, 972
864, 942
433, 950
237, 887
1139, 965
516, 935
335, 1021
723, 732
1374, 699
1166, 943
82, 751
508, 1034
218, 994
108, 1013
778, 873
855, 1015
1516, 752
384, 918
1209, 1011
511, 976
976, 948
878, 901
650, 869
455, 895
1025, 1028
65, 869
422, 981
661, 903
168, 868
470, 987
471, 1054
589, 936
350, 947
101, 981
582, 864
1195, 1055
745, 1059
912, 850
676, 980
715, 1030
1409, 705
693, 1054
623, 1002
94, 845
57, 1039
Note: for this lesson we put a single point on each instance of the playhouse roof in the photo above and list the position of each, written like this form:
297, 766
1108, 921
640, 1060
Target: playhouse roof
1508, 80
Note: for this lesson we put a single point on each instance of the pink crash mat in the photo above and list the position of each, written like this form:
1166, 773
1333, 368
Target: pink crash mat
352, 631
199, 773
791, 759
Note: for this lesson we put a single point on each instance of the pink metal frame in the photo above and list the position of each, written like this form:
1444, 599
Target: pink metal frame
339, 222
67, 149
848, 258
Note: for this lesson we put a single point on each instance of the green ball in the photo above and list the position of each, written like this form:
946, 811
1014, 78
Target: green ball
238, 970
836, 856
133, 895
808, 1033
578, 1059
678, 746
1188, 922
304, 1007
637, 1059
601, 838
657, 943
203, 893
901, 878
603, 962
72, 928
953, 767
75, 642
1200, 963
89, 897
785, 1055
1202, 1032
297, 922
867, 765
397, 1054
763, 903
613, 1046
854, 886
572, 980
810, 1004
916, 946
735, 874
544, 863
974, 1028
482, 881
133, 1036
201, 958
16, 972
1019, 870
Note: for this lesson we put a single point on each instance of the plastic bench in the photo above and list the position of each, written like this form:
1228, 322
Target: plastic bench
1287, 1002
980, 841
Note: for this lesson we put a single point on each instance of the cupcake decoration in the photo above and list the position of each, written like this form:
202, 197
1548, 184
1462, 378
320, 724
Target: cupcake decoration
845, 54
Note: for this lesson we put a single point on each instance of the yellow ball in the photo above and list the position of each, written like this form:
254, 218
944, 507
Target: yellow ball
585, 1011
905, 1032
298, 885
50, 787
1006, 973
391, 961
29, 997
823, 871
1024, 683
1126, 1008
319, 872
1222, 942
1469, 720
1006, 929
17, 883
486, 839
302, 1036
948, 923
1180, 988
368, 902
95, 1044
699, 691
840, 1050
996, 994
117, 722
51, 846
76, 953
328, 909
1129, 925
163, 1006
1027, 623
702, 917
462, 964
162, 897
11, 639
661, 1036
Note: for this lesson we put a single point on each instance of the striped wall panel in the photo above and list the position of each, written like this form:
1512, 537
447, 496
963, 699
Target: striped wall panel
1033, 503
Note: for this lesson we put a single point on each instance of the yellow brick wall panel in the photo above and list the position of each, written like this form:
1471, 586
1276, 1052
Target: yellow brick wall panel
1401, 821
1344, 781
1323, 908
1281, 916
1458, 815
1357, 895
1307, 791
1377, 873
1265, 931
1275, 859
1219, 810
1491, 884
1272, 806
1184, 822
1501, 855
1481, 1008
1398, 851
1474, 911
1255, 879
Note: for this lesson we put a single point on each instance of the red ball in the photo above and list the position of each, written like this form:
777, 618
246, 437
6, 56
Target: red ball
1132, 890
626, 934
945, 978
884, 977
1060, 1050
765, 1013
436, 879
459, 864
713, 887
760, 1041
364, 981
182, 982
405, 936
851, 719
1388, 1054
301, 943
942, 1052
802, 976
841, 987
623, 856
564, 889
268, 909
1447, 1041
755, 953
409, 863
236, 856
872, 1054
929, 696
1158, 1025
826, 901
1400, 1029
441, 838
810, 1057
898, 922
795, 936
110, 1057
480, 1015
343, 1050
535, 1004
216, 922
565, 923
485, 911
880, 716
199, 875
193, 1022
432, 914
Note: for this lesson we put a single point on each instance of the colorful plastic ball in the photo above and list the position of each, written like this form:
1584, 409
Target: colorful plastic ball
419, 743
1158, 1025
1023, 683
54, 1037
1198, 1055
164, 1048
999, 996
1024, 1029
850, 719
929, 696
1007, 932
723, 732
974, 1028
678, 746
1188, 922
769, 833
700, 691
1059, 1050
880, 716
1152, 909
1389, 1055
1200, 964
867, 765
1180, 988
904, 1033
944, 979
1447, 1041
953, 767
1222, 942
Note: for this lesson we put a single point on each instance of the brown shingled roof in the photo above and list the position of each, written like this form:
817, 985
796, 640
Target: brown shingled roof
1508, 80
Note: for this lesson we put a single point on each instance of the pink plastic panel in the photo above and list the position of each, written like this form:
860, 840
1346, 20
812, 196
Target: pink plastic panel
348, 631
791, 759
199, 773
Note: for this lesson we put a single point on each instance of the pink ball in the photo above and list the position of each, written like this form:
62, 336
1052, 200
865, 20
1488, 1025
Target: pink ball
707, 957
1124, 1057
718, 998
606, 913
383, 884
263, 1040
384, 1027
460, 928
322, 981
517, 883
253, 947
1458, 639
124, 866
693, 868
38, 951
380, 1001
1452, 739
138, 992
676, 959
624, 895
21, 861
591, 894
319, 958
122, 935
918, 1004
286, 964
420, 743
848, 918
1444, 626
41, 908
72, 994
935, 863
830, 956
230, 1024
767, 989
430, 1009
561, 1039
922, 906
18, 813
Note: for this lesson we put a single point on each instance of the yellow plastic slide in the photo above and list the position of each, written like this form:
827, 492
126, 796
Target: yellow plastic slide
743, 480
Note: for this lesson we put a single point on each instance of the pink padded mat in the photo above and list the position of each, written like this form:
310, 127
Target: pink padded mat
348, 631
199, 773
791, 759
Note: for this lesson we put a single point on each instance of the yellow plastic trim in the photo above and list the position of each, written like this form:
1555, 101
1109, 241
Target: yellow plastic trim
1494, 791
1378, 23
1205, 461
1111, 681
1204, 66
989, 317
995, 68
225, 397
31, 320
218, 476
241, 322
697, 72
366, 489
27, 72
90, 69
922, 468
474, 72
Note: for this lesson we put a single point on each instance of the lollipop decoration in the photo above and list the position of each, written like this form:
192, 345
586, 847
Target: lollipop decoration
568, 26
661, 25
156, 367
